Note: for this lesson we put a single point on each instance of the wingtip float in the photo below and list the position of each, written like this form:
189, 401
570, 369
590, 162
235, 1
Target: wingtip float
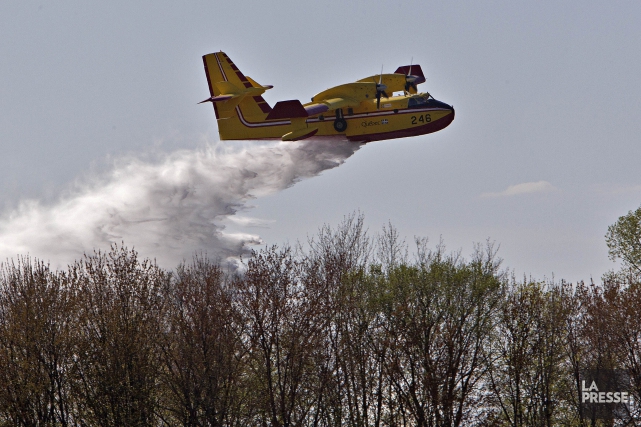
352, 111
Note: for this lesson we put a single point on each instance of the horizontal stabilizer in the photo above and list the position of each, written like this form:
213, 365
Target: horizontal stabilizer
254, 84
287, 110
228, 91
219, 98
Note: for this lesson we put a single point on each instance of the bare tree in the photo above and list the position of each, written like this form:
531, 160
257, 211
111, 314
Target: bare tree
391, 249
36, 332
281, 303
358, 350
341, 250
202, 350
529, 375
352, 351
119, 324
439, 319
614, 314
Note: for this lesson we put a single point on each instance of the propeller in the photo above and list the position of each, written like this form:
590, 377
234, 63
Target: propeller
410, 80
380, 90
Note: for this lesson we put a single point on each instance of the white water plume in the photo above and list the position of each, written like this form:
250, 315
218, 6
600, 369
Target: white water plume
168, 209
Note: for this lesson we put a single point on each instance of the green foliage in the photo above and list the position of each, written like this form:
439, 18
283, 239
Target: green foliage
624, 240
439, 319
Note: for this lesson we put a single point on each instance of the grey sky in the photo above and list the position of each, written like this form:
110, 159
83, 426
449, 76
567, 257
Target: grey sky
546, 93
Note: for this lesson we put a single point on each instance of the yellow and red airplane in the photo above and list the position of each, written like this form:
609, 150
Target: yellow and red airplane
353, 111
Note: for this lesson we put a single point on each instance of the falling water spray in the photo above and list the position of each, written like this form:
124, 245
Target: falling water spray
168, 209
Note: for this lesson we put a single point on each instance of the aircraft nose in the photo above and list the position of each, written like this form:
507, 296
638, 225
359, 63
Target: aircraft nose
439, 104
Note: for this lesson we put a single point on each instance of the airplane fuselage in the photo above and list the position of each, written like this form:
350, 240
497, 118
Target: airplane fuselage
393, 120
350, 111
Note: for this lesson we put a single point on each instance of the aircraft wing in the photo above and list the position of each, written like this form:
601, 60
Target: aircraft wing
344, 96
316, 108
405, 78
392, 82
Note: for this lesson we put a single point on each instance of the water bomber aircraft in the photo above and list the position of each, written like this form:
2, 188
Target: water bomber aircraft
361, 111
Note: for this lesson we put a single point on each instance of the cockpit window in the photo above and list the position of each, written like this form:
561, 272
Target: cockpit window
416, 102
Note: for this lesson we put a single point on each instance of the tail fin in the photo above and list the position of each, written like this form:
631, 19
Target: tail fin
224, 78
